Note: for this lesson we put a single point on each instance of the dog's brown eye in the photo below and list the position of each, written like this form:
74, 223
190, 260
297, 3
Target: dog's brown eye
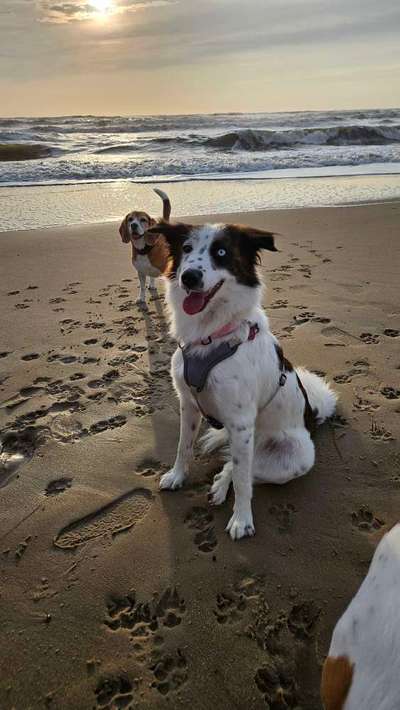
143, 220
187, 248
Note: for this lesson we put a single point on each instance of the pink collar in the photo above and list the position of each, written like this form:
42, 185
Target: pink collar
219, 333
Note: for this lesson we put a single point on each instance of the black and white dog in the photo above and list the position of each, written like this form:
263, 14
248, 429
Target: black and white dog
230, 368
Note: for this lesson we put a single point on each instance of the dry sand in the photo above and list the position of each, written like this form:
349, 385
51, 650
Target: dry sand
114, 595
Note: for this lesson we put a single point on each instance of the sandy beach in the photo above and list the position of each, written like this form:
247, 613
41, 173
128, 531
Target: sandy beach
113, 595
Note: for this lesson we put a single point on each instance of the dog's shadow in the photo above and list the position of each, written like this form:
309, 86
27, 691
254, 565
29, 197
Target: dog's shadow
160, 348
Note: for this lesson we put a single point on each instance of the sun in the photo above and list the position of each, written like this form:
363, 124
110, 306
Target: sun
102, 7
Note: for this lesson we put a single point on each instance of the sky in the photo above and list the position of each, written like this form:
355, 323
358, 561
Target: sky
188, 56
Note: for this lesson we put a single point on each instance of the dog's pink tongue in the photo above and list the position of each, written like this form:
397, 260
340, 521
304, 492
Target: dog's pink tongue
194, 302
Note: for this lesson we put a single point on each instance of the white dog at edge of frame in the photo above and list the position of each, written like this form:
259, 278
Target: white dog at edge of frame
214, 296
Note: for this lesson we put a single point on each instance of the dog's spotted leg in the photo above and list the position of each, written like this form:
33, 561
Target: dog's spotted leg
152, 285
242, 447
142, 294
189, 427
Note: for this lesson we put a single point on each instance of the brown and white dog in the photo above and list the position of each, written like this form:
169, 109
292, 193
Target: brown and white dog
150, 252
362, 671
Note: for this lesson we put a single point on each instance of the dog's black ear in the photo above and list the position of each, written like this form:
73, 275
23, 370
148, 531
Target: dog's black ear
174, 233
254, 239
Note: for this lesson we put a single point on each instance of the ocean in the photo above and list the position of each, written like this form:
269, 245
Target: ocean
122, 152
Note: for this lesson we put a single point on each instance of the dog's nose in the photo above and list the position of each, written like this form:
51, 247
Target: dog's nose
192, 279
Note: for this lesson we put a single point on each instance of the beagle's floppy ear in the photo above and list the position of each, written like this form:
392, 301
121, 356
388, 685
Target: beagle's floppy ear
123, 230
252, 238
173, 233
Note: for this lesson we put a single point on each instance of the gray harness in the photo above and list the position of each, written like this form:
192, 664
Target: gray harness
196, 369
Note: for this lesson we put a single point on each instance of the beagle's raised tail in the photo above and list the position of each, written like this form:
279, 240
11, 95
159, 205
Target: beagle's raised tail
166, 204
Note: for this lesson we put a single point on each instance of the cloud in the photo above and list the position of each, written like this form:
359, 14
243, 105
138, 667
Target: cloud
82, 10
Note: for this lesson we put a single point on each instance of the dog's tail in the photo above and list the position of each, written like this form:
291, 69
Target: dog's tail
321, 396
166, 203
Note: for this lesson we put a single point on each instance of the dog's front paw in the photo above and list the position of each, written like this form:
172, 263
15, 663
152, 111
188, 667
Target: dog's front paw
171, 480
241, 526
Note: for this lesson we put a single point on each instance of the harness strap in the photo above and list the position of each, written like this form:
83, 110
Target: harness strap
197, 368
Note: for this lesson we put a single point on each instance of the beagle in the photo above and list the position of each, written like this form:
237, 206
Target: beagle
150, 252
363, 665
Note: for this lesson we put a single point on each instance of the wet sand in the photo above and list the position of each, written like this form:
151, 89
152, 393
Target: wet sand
113, 595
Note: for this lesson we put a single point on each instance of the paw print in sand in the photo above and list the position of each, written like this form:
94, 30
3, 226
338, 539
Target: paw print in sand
277, 686
114, 693
364, 519
170, 671
284, 514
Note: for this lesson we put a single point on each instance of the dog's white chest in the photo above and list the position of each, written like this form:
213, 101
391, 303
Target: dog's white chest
142, 264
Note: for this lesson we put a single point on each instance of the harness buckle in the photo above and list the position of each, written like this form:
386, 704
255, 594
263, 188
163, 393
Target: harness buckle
282, 379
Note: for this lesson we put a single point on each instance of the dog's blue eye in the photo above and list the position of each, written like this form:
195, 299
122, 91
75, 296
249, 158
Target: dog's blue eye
221, 252
187, 248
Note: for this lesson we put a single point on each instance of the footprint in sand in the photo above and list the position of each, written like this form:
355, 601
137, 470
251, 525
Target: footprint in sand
57, 486
281, 639
66, 359
145, 618
200, 519
380, 433
284, 514
338, 421
229, 610
94, 325
16, 448
278, 686
364, 405
112, 423
169, 670
390, 392
4, 354
365, 520
30, 356
369, 338
302, 619
30, 391
146, 621
21, 548
342, 335
114, 693
150, 467
279, 304
391, 333
231, 606
115, 517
